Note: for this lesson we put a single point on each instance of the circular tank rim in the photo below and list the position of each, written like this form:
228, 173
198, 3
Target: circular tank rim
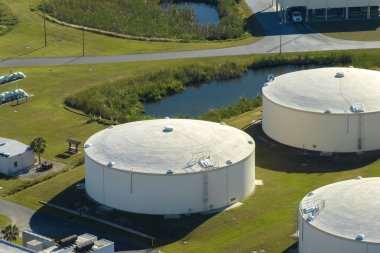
317, 112
174, 174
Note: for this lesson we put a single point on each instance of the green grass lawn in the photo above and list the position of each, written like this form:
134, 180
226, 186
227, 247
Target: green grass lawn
4, 220
362, 30
27, 39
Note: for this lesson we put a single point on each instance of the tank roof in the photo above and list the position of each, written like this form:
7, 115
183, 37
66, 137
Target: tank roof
169, 146
347, 209
335, 90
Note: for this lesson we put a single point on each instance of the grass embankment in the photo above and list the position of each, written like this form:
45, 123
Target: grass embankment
261, 223
7, 19
362, 30
121, 100
4, 220
27, 39
148, 18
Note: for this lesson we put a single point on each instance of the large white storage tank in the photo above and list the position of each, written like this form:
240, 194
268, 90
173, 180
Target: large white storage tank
325, 109
170, 166
341, 218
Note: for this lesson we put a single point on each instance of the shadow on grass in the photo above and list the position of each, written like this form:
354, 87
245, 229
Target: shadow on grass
294, 160
64, 155
292, 248
57, 224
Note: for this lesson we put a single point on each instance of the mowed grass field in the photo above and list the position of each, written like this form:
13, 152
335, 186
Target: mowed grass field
4, 220
27, 39
265, 221
362, 30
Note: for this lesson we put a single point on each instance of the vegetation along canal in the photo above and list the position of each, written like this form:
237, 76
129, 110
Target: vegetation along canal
198, 99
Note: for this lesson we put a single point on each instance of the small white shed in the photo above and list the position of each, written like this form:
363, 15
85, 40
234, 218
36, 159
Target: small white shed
14, 156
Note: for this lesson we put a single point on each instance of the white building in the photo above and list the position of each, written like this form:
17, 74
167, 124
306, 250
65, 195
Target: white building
170, 166
341, 218
314, 10
326, 109
14, 156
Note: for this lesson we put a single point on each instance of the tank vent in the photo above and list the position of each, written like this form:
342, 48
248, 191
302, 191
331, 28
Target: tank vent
250, 142
2, 143
358, 178
339, 74
328, 111
111, 164
359, 237
228, 162
167, 117
87, 145
169, 172
111, 126
310, 194
168, 129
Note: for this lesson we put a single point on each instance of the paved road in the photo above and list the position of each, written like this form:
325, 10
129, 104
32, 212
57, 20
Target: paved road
28, 219
295, 38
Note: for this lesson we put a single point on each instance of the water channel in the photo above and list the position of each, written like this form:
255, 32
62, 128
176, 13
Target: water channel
197, 100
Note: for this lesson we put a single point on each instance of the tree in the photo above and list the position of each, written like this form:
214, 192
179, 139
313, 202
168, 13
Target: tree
38, 145
10, 232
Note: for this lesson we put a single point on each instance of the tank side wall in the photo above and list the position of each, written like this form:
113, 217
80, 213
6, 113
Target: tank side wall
312, 240
313, 131
153, 194
94, 180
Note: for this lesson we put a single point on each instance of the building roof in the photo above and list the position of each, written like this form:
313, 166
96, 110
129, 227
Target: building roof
324, 89
9, 147
351, 208
169, 146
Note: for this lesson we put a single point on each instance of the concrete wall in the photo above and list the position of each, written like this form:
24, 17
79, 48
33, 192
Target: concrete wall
169, 194
29, 236
321, 4
320, 131
7, 164
313, 240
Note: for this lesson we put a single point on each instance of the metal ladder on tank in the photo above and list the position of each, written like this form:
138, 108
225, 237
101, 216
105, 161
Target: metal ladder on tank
205, 189
360, 131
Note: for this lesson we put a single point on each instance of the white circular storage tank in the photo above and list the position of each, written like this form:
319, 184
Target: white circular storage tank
170, 166
341, 218
325, 109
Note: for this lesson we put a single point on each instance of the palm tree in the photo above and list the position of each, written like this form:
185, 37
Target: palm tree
10, 232
38, 145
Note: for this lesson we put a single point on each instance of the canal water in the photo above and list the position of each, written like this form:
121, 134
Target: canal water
204, 13
197, 100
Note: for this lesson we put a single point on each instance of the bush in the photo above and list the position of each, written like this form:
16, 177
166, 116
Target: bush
7, 19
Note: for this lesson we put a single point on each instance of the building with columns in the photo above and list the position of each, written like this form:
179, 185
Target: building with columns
329, 10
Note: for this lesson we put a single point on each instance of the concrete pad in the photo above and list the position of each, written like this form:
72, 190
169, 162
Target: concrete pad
237, 204
259, 182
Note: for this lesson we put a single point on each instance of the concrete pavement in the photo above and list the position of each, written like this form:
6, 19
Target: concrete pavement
28, 219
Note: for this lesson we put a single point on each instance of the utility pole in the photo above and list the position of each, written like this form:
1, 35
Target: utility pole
280, 38
83, 41
44, 17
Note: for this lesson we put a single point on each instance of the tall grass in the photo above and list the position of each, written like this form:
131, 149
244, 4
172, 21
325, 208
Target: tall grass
7, 19
148, 19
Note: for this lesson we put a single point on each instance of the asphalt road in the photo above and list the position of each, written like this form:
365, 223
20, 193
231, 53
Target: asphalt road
294, 38
28, 219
